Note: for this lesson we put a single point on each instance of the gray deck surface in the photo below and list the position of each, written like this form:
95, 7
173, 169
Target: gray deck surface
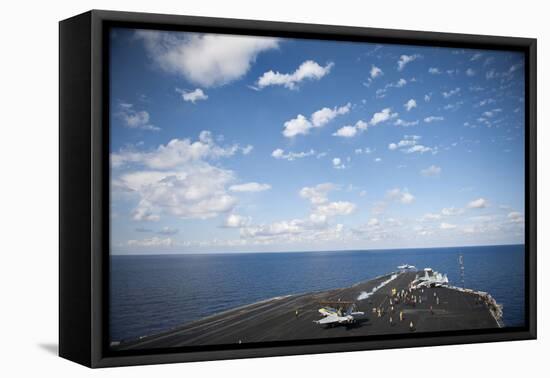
276, 320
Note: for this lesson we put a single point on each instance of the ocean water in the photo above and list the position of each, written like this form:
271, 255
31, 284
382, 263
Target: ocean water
150, 294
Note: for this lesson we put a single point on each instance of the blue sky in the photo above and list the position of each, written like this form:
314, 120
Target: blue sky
233, 143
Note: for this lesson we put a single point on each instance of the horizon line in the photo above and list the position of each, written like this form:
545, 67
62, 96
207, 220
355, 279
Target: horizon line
311, 251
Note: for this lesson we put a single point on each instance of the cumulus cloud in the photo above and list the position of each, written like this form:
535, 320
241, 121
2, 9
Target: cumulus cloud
381, 92
177, 179
477, 203
207, 60
196, 192
314, 227
250, 187
134, 119
400, 122
297, 126
470, 72
382, 116
410, 104
337, 163
236, 221
349, 131
317, 194
177, 152
308, 70
410, 144
475, 57
325, 115
406, 59
192, 96
431, 171
434, 71
515, 217
430, 217
451, 93
375, 72
431, 119
401, 195
168, 231
450, 211
279, 153
346, 132
152, 242
301, 125
447, 226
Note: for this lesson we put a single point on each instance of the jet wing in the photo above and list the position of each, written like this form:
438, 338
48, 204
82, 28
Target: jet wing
329, 319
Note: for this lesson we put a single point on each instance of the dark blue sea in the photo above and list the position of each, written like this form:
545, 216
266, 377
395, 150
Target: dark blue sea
153, 293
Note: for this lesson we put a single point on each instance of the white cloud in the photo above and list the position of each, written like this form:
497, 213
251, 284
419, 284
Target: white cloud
196, 192
432, 170
516, 217
335, 208
307, 70
450, 211
477, 204
349, 131
401, 195
346, 132
296, 126
315, 227
279, 153
447, 226
204, 59
381, 92
248, 149
400, 122
419, 148
301, 125
470, 72
135, 119
410, 104
168, 231
410, 144
366, 150
176, 152
317, 194
373, 222
250, 187
382, 116
337, 162
236, 221
427, 97
193, 96
434, 71
475, 57
431, 119
176, 179
375, 72
430, 217
152, 242
325, 115
406, 59
451, 93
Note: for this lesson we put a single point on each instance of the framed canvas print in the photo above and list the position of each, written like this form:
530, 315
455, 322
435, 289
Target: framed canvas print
234, 188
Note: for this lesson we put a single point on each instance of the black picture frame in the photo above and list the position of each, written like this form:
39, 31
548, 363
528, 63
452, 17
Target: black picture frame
84, 186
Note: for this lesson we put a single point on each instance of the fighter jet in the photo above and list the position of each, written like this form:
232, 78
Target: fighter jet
406, 267
338, 312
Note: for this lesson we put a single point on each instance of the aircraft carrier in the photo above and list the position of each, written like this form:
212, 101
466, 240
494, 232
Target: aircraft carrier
392, 304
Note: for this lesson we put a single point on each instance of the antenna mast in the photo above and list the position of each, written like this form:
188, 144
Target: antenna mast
461, 264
